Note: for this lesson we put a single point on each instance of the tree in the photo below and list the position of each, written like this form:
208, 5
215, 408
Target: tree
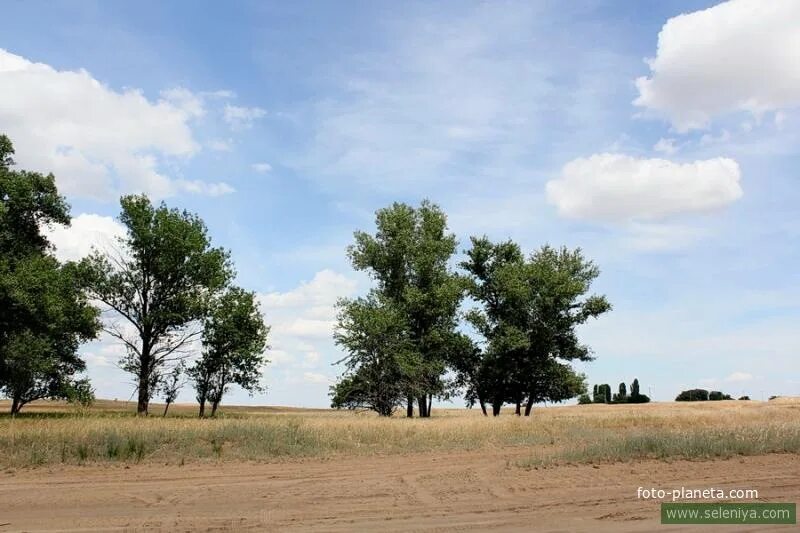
44, 311
39, 357
381, 361
623, 393
234, 340
159, 282
171, 384
529, 312
692, 395
407, 257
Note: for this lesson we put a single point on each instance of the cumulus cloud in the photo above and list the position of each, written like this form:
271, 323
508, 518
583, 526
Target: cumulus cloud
302, 319
741, 55
665, 146
238, 117
97, 141
86, 231
261, 168
621, 188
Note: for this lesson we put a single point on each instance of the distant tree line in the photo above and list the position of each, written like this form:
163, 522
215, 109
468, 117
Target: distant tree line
602, 394
167, 293
407, 341
702, 395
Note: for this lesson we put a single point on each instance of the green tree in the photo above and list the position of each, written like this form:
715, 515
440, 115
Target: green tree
234, 340
44, 311
159, 281
407, 257
171, 384
530, 308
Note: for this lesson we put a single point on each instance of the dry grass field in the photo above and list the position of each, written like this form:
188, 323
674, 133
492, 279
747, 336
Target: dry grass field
569, 468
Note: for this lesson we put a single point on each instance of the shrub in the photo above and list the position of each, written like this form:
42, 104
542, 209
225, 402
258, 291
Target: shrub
583, 399
640, 398
745, 398
692, 395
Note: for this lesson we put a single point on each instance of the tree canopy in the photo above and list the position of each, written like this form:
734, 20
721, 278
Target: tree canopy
44, 310
159, 282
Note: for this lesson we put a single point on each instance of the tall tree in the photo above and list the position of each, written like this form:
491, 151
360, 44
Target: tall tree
234, 340
158, 281
44, 311
381, 361
530, 308
408, 258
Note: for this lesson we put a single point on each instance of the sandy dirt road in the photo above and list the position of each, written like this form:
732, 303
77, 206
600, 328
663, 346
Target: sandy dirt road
432, 492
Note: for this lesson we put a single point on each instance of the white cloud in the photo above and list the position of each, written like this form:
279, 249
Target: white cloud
238, 117
306, 312
741, 55
301, 334
261, 168
220, 145
97, 141
739, 377
205, 188
86, 231
666, 146
316, 378
620, 188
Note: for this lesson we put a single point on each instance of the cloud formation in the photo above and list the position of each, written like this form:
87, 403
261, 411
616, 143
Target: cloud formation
87, 230
97, 141
741, 55
620, 188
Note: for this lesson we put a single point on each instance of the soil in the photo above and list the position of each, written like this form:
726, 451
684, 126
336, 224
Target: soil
471, 491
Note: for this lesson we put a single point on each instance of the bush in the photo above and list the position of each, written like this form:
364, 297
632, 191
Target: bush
692, 395
745, 398
583, 399
639, 398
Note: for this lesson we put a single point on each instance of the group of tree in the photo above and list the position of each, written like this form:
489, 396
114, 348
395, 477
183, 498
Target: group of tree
44, 311
602, 394
168, 293
407, 339
702, 395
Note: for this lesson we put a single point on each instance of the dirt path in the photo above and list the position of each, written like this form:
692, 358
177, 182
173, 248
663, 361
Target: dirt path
432, 492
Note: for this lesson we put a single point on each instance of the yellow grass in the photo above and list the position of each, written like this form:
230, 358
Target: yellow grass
52, 433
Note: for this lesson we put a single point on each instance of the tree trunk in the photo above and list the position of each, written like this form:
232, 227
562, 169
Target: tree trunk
214, 406
144, 380
430, 404
518, 410
410, 408
496, 408
483, 407
15, 405
528, 407
423, 406
202, 408
166, 408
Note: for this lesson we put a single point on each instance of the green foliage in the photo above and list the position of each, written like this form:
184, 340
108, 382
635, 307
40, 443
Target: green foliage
746, 398
234, 340
692, 395
717, 396
530, 308
80, 394
160, 279
413, 308
44, 311
584, 399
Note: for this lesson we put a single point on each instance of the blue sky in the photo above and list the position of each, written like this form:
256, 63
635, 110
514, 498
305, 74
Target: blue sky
661, 137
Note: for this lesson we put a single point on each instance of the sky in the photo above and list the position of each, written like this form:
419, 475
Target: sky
660, 137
